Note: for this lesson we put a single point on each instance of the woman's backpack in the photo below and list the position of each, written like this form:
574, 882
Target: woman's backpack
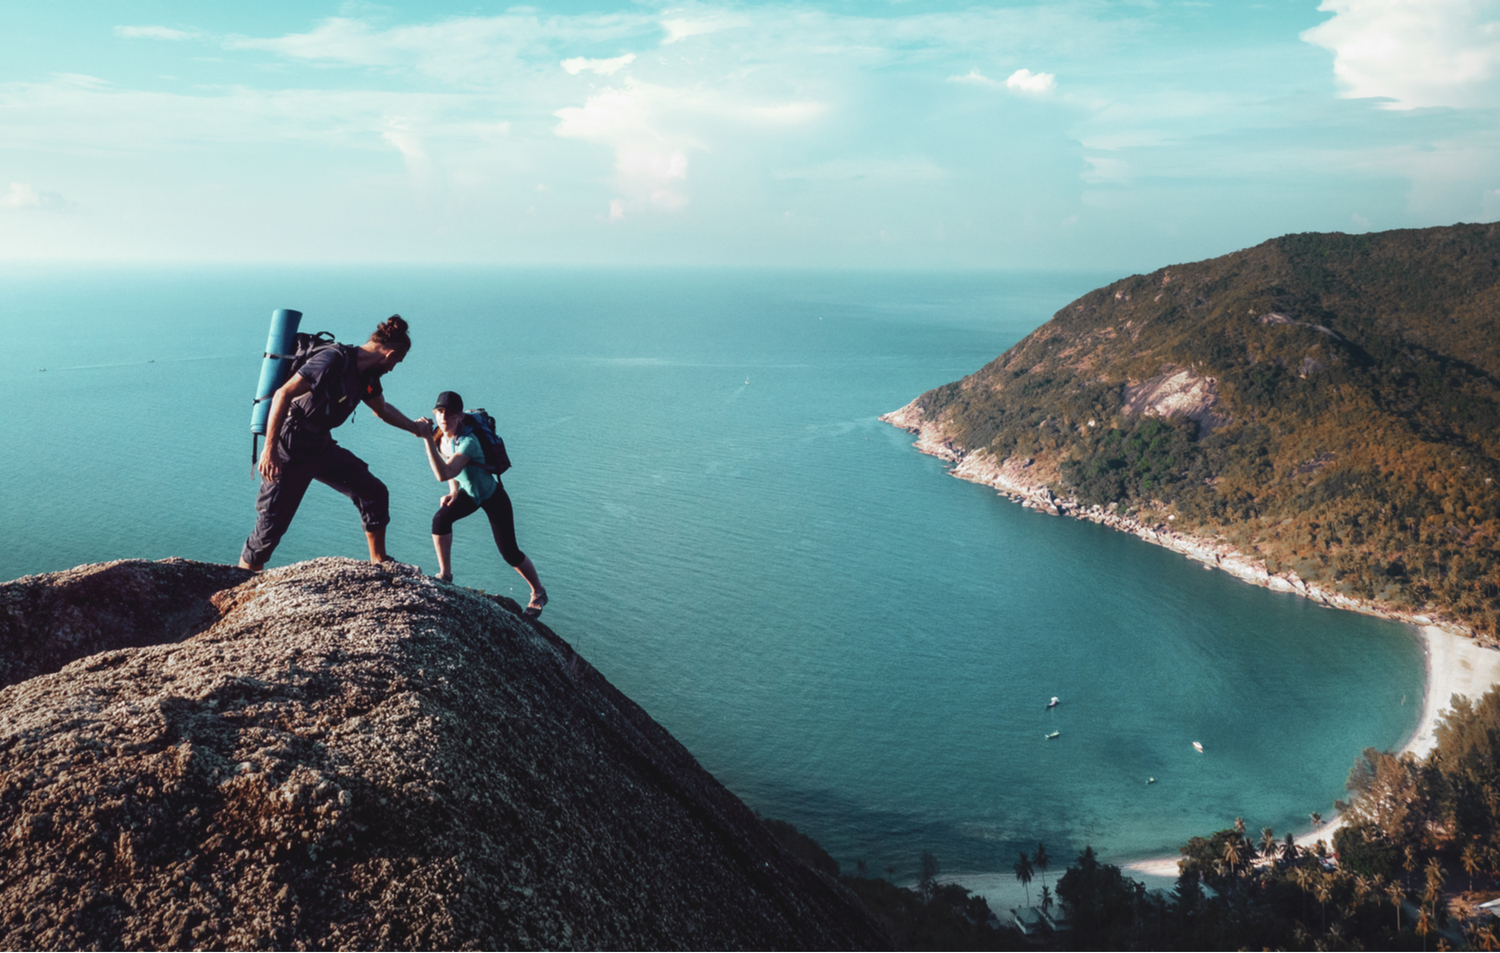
482, 425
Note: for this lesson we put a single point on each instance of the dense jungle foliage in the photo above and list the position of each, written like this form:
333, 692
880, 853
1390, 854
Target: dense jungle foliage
1347, 426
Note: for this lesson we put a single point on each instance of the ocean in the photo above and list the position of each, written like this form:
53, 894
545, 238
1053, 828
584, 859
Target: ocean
849, 639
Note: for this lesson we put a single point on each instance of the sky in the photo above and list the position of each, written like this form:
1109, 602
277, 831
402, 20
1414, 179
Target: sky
1062, 134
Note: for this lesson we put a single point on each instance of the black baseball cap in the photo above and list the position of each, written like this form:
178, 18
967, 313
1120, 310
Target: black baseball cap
450, 401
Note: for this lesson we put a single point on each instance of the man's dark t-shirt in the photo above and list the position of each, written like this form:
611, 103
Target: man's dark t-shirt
337, 388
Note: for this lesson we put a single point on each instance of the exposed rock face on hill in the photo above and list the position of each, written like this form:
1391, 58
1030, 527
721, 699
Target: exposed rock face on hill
1319, 413
332, 755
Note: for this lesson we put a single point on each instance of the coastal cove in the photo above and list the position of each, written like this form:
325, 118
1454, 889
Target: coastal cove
733, 538
1456, 661
1010, 478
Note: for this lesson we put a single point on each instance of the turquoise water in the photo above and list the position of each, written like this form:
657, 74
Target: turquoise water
848, 638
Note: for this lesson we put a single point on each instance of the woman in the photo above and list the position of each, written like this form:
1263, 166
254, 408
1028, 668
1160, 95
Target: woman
300, 448
457, 457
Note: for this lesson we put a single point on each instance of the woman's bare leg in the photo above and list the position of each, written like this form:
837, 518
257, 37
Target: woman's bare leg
444, 547
538, 595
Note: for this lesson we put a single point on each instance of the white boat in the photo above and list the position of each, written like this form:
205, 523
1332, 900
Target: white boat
1198, 745
1053, 735
1053, 702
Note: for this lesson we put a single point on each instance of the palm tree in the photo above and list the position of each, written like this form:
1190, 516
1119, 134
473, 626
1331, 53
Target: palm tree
1470, 859
1435, 878
1289, 848
1040, 859
1231, 854
1317, 819
1023, 874
1268, 843
930, 870
1424, 924
1362, 887
1239, 826
1396, 895
1324, 892
1484, 938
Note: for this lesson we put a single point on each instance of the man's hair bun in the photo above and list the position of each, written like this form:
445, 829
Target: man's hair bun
392, 333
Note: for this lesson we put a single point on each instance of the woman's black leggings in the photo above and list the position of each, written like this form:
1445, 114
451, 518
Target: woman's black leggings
497, 508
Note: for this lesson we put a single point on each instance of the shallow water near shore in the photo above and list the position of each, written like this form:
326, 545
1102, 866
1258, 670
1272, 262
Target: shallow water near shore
845, 636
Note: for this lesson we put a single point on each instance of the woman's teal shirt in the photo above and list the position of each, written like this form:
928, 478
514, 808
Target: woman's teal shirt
474, 480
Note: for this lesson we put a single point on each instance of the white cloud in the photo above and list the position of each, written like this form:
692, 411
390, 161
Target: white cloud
607, 67
25, 196
400, 134
650, 160
1105, 169
474, 52
976, 78
787, 113
153, 33
1025, 81
680, 28
1414, 53
883, 171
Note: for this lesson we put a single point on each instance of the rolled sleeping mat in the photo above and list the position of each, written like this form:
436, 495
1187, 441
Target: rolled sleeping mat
276, 368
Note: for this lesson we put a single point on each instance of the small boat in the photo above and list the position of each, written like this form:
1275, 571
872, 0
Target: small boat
1150, 780
1198, 746
1053, 735
1053, 702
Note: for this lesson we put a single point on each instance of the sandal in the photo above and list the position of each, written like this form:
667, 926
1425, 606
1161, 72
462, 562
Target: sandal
534, 608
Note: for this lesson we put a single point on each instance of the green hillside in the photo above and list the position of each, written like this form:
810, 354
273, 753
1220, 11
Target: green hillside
1327, 402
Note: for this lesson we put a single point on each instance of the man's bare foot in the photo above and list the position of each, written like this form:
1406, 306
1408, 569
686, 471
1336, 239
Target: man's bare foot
251, 566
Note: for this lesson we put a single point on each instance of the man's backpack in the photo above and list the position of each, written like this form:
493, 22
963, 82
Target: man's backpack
482, 425
305, 348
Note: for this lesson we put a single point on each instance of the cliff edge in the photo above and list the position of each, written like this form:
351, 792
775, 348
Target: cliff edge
333, 755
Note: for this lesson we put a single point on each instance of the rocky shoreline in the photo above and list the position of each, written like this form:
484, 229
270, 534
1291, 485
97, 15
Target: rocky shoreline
1024, 481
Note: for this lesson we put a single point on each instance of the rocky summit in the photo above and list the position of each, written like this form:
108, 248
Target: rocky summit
333, 755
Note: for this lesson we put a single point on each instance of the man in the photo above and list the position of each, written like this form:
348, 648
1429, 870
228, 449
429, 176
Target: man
300, 448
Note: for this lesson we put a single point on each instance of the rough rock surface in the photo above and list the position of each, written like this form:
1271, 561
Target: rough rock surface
1177, 393
332, 755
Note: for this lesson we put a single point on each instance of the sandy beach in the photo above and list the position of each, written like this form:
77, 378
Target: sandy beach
1456, 665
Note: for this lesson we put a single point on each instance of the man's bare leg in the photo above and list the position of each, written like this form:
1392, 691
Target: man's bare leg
376, 539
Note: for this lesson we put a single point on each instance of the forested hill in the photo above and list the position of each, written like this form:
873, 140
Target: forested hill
1328, 403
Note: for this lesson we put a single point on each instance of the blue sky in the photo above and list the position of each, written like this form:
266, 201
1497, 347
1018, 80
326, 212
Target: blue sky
1057, 134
